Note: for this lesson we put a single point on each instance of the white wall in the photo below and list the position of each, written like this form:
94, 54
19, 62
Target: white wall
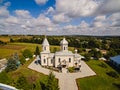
62, 58
44, 56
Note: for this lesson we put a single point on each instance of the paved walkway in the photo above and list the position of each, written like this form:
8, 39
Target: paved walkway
67, 81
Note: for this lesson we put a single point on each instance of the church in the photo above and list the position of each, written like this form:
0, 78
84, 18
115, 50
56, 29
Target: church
64, 57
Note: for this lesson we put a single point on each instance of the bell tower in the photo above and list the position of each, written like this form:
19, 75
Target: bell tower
45, 45
64, 45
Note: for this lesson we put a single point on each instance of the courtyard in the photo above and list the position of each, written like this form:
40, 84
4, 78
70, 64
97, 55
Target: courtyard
67, 81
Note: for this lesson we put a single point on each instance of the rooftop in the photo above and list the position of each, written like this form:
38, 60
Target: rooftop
116, 59
64, 41
45, 42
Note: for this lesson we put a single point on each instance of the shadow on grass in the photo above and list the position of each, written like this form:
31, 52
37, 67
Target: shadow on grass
113, 66
117, 85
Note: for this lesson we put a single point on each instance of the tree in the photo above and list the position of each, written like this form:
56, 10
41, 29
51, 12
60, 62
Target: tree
16, 58
37, 51
51, 83
87, 56
27, 53
97, 55
11, 40
22, 83
22, 60
12, 63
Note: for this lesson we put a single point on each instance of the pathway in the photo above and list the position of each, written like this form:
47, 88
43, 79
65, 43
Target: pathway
67, 81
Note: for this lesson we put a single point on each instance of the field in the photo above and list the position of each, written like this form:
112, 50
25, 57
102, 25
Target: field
100, 82
7, 38
10, 48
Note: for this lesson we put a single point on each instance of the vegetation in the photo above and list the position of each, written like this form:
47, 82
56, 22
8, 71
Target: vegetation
13, 63
50, 83
71, 69
26, 79
22, 83
37, 51
106, 76
27, 53
102, 81
113, 74
5, 78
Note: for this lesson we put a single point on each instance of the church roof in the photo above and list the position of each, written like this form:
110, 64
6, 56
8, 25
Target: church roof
45, 42
61, 53
64, 41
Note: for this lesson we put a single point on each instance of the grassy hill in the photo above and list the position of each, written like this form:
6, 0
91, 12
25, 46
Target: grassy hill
101, 81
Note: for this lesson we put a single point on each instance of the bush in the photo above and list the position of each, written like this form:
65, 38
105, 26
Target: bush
22, 83
27, 53
71, 69
4, 78
50, 84
113, 74
22, 60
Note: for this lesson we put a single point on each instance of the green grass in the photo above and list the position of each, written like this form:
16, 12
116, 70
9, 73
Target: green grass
28, 73
7, 38
10, 48
5, 53
101, 81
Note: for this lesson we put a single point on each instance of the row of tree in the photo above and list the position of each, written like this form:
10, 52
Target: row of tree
76, 41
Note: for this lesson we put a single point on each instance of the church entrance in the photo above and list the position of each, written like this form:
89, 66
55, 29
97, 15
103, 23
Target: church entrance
64, 64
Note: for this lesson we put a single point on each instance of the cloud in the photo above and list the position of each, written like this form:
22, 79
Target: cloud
108, 7
114, 19
39, 2
61, 18
4, 12
50, 10
76, 8
12, 20
83, 24
22, 13
100, 21
7, 4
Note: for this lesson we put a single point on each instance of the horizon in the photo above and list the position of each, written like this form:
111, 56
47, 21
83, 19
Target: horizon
60, 17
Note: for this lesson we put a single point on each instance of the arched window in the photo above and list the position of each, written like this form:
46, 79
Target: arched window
51, 61
64, 48
44, 61
44, 48
59, 60
69, 60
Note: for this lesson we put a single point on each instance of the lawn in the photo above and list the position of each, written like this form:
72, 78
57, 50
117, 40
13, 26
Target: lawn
10, 48
5, 53
31, 76
101, 81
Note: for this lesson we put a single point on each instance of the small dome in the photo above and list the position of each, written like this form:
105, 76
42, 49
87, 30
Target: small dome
64, 41
45, 42
76, 50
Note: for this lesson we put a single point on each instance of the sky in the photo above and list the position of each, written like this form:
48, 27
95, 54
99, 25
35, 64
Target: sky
60, 17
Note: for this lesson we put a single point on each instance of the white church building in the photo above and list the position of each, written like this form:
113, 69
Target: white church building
64, 57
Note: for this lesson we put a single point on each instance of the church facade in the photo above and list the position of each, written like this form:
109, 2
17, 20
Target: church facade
64, 57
